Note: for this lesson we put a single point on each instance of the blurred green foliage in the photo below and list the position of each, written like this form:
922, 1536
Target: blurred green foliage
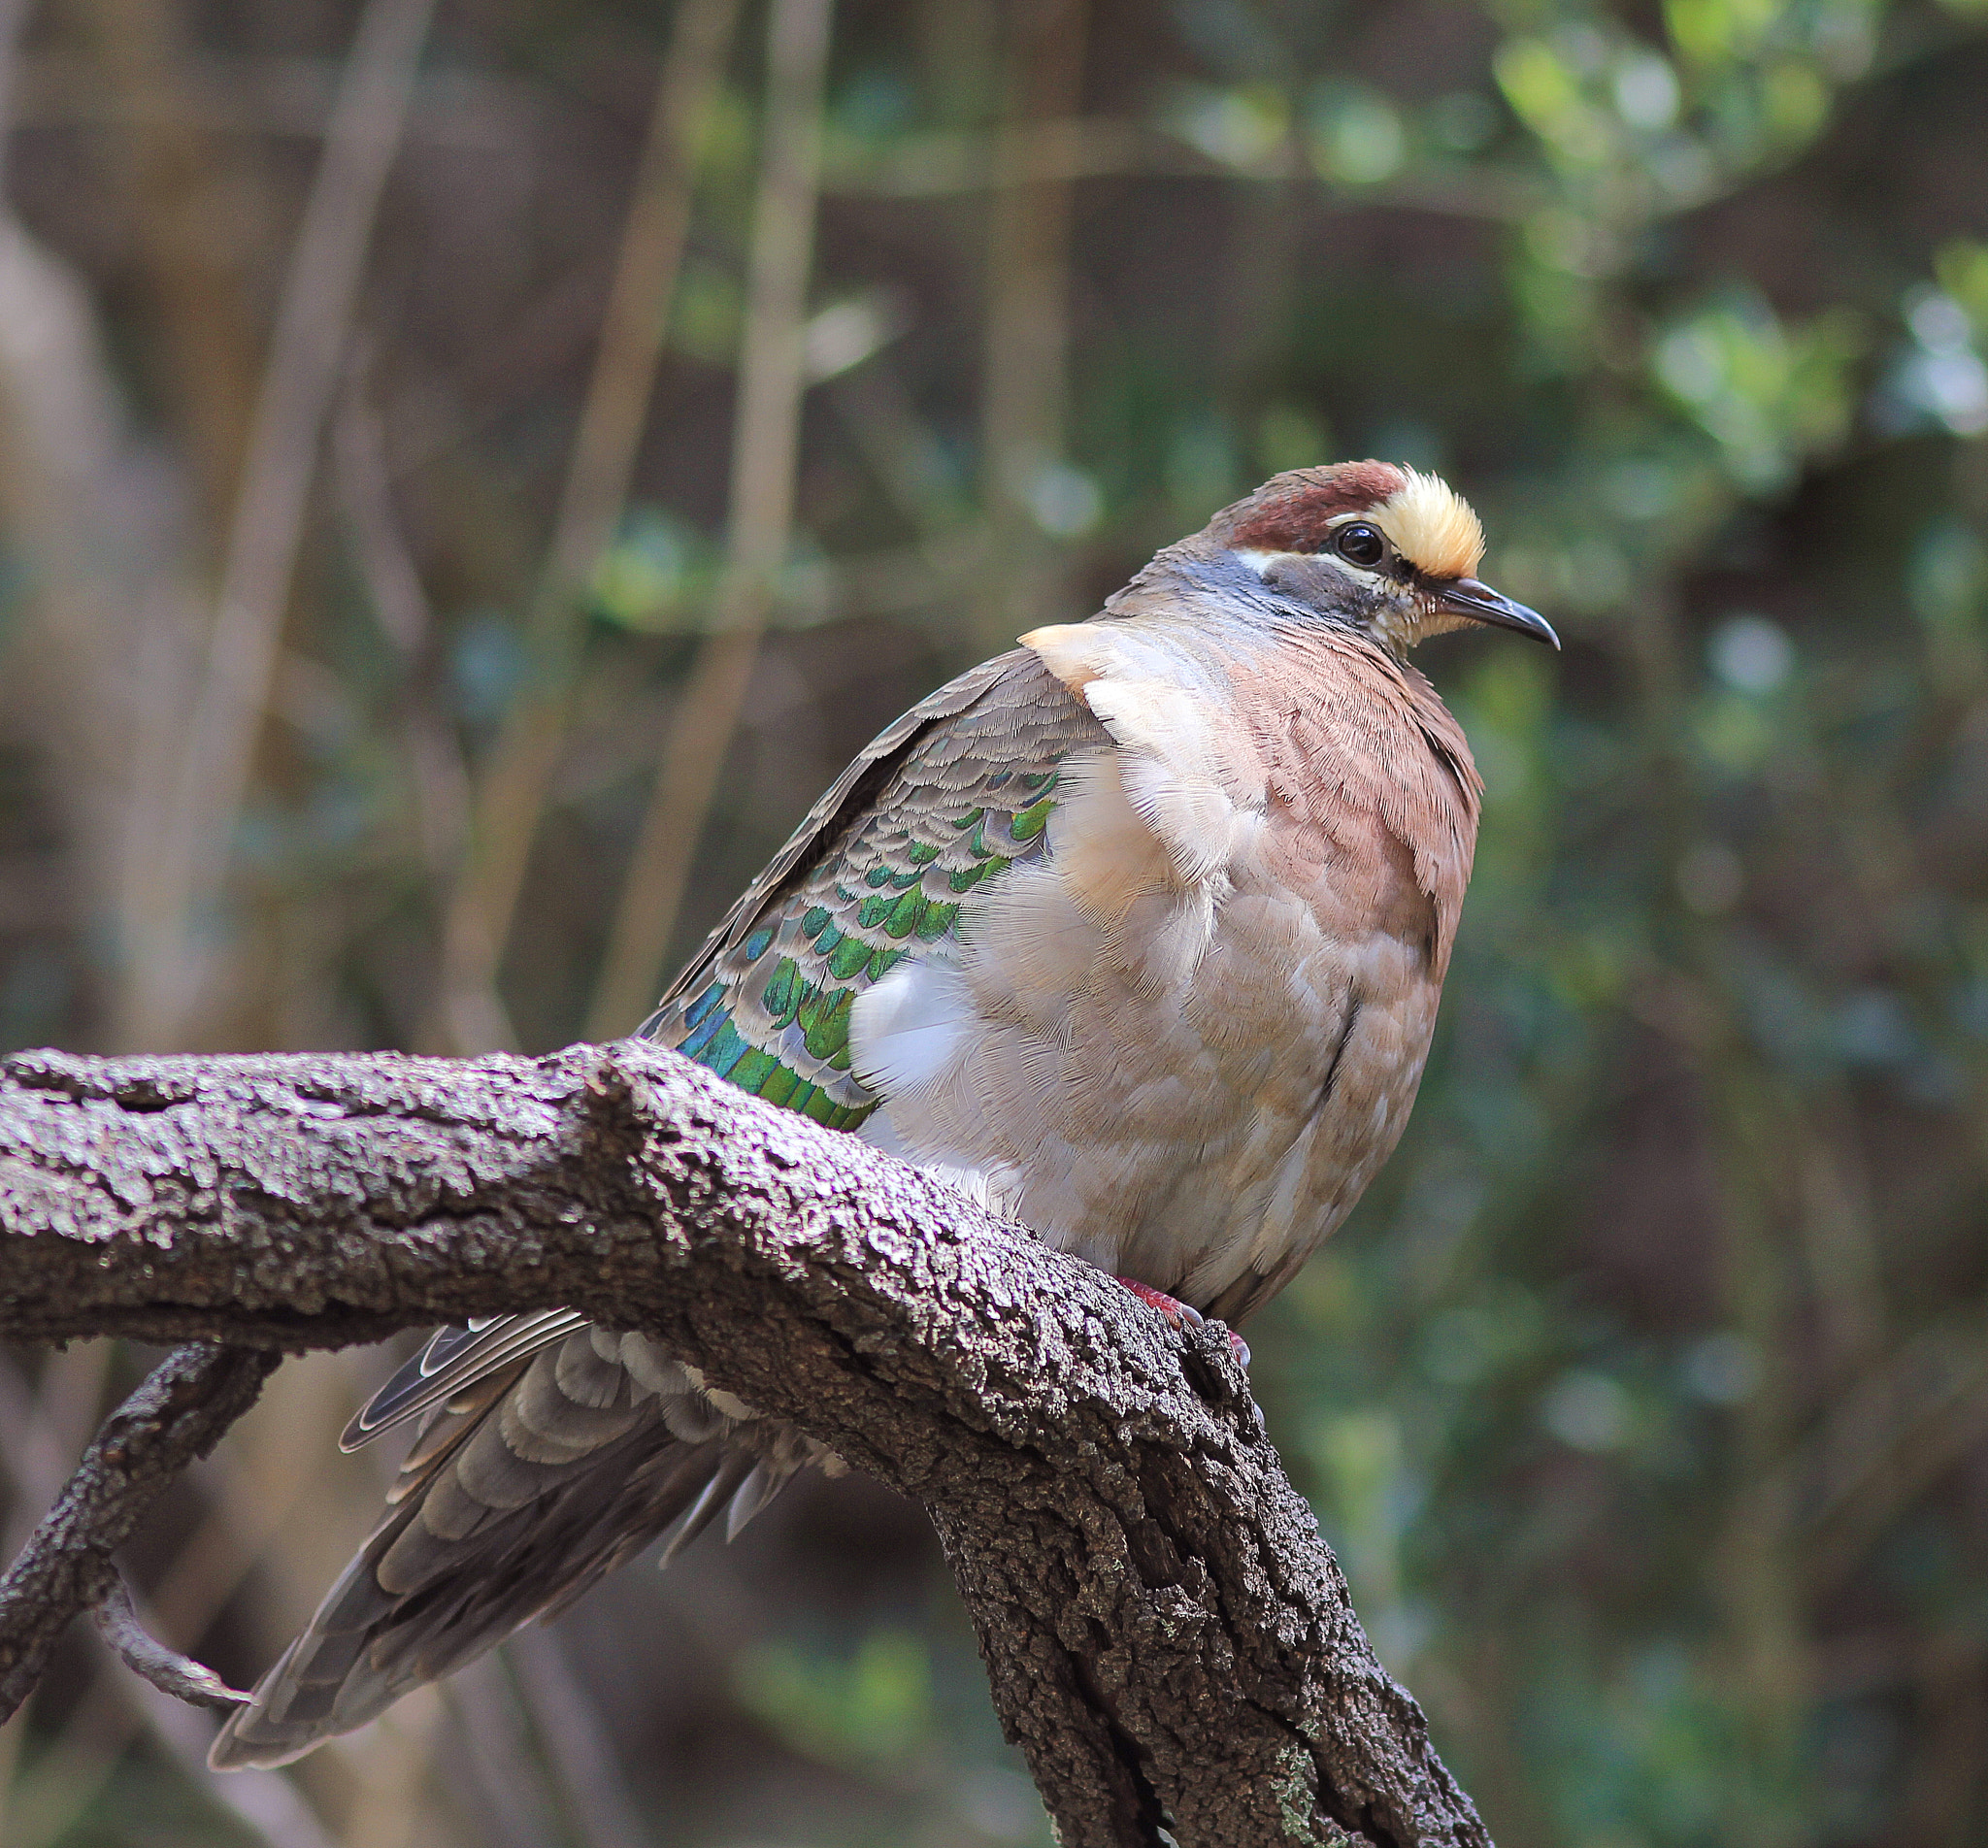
870, 1710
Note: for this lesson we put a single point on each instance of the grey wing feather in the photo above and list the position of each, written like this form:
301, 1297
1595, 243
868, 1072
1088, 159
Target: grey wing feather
453, 1360
529, 1485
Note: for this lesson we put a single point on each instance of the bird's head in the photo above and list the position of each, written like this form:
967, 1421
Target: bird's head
1389, 551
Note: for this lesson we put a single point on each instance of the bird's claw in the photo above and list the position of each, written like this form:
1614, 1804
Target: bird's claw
1182, 1314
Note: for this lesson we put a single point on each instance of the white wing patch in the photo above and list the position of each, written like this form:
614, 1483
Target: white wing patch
906, 1029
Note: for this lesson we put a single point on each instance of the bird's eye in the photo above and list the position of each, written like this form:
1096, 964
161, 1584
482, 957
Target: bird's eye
1361, 544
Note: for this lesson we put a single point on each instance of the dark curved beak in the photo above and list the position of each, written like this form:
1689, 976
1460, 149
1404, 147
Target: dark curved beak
1479, 603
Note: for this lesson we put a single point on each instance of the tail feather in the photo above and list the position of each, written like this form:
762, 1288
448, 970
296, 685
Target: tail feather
528, 1486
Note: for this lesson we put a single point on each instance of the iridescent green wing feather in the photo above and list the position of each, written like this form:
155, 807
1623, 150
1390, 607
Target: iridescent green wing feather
954, 793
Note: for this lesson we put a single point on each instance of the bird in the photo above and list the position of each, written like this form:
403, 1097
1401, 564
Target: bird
1136, 931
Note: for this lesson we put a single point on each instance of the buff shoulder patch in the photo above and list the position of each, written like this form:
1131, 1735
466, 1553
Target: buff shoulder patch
1432, 526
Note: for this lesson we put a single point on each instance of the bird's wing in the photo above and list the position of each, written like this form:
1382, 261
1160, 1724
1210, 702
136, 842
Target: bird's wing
557, 1450
954, 793
453, 1360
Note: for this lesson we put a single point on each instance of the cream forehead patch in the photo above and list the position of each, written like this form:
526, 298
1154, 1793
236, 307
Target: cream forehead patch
1432, 526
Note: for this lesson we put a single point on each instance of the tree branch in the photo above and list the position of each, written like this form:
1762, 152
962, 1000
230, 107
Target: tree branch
1167, 1637
167, 1669
177, 1414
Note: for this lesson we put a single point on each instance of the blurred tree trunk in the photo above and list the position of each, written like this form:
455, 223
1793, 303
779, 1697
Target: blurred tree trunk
103, 667
1025, 389
200, 224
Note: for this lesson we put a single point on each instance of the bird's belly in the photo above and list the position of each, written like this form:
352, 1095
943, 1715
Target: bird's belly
1187, 1131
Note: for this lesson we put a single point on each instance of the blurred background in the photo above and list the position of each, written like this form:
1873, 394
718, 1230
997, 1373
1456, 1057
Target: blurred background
471, 474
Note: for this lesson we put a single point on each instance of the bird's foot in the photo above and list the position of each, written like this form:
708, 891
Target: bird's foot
1180, 1314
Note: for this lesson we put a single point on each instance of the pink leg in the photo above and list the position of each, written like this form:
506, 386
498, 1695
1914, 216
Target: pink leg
1178, 1313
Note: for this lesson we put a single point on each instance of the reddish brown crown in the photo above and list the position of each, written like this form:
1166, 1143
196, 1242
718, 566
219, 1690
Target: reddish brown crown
1429, 525
1291, 512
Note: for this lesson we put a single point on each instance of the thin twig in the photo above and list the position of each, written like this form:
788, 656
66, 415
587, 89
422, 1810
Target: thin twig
637, 318
945, 164
266, 1803
67, 1775
207, 1570
167, 1669
176, 1415
250, 94
305, 357
766, 436
510, 798
36, 1450
362, 474
45, 1426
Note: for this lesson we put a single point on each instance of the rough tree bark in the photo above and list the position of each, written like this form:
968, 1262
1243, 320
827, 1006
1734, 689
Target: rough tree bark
1168, 1639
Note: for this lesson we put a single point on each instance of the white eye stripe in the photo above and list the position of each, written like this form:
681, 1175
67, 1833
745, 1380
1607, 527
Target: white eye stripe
1263, 562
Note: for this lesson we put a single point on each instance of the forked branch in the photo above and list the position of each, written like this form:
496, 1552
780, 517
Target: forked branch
175, 1416
1167, 1637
